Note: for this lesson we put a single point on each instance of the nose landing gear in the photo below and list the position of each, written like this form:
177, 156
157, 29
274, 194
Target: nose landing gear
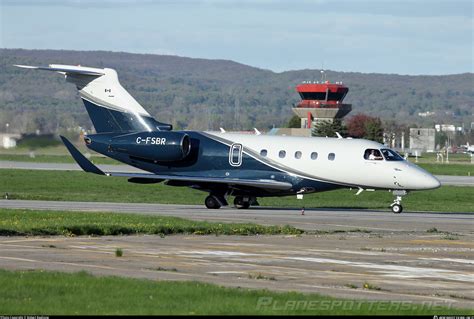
397, 207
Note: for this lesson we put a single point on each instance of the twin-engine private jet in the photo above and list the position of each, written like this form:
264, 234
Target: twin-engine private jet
246, 166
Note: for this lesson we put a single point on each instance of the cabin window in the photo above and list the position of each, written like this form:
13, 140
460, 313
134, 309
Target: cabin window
263, 153
314, 155
298, 155
282, 154
331, 156
373, 154
391, 155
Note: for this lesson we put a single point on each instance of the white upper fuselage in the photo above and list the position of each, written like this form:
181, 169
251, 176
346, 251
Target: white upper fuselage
348, 167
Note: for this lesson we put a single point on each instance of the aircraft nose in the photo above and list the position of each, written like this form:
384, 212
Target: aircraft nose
433, 182
428, 181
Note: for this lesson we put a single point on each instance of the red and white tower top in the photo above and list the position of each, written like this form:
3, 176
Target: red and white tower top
321, 101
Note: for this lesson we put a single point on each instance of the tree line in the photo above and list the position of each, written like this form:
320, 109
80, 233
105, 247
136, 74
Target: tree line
208, 94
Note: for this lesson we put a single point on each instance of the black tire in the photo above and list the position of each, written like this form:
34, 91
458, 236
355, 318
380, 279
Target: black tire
397, 209
239, 203
211, 202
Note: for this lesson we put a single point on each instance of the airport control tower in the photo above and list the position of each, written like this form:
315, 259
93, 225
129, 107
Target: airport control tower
321, 101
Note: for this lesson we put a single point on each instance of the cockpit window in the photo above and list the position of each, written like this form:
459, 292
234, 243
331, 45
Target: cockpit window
391, 155
373, 154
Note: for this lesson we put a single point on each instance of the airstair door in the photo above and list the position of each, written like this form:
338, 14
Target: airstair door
235, 155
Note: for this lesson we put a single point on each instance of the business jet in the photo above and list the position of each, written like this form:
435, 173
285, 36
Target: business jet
246, 166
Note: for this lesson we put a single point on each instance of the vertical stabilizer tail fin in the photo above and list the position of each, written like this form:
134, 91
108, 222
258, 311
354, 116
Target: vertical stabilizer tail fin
110, 107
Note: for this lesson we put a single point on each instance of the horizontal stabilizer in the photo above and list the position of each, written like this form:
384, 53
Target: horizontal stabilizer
66, 69
81, 160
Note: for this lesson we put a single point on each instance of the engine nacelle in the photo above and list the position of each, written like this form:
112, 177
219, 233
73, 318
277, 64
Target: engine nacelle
160, 146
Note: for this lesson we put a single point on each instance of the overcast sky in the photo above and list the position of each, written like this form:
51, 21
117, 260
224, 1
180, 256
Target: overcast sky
383, 36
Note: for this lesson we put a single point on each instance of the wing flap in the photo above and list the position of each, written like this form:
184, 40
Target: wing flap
261, 183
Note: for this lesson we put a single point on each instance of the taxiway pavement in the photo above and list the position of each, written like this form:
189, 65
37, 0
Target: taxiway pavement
422, 268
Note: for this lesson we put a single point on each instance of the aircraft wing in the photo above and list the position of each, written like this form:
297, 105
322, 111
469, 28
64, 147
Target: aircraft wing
89, 167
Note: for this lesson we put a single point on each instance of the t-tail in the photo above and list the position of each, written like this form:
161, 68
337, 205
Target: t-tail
111, 108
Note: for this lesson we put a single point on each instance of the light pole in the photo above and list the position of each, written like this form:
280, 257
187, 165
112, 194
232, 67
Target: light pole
6, 127
447, 150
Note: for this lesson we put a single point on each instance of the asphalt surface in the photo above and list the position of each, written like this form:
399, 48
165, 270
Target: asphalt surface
422, 268
444, 179
313, 219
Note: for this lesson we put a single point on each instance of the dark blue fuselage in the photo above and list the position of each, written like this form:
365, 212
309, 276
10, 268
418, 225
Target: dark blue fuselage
209, 158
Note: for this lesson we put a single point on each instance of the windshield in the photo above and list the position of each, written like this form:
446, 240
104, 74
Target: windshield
373, 154
391, 155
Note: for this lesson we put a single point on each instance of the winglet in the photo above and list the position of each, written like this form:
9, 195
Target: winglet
81, 160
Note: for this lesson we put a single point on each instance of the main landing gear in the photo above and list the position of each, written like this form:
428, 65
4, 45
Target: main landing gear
215, 201
397, 207
242, 202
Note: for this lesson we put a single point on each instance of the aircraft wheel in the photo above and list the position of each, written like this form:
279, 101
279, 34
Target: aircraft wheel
397, 209
212, 203
239, 203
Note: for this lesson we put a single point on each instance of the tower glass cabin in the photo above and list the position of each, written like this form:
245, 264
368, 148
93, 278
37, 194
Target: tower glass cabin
321, 102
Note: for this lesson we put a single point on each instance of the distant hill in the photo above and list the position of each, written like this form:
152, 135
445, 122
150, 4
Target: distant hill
208, 94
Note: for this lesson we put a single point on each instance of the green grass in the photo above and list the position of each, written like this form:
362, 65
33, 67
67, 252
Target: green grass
38, 142
47, 158
80, 186
55, 293
50, 150
370, 286
459, 164
15, 222
448, 169
453, 158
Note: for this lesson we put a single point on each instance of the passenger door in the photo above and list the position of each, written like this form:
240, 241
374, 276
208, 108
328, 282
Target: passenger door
235, 155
